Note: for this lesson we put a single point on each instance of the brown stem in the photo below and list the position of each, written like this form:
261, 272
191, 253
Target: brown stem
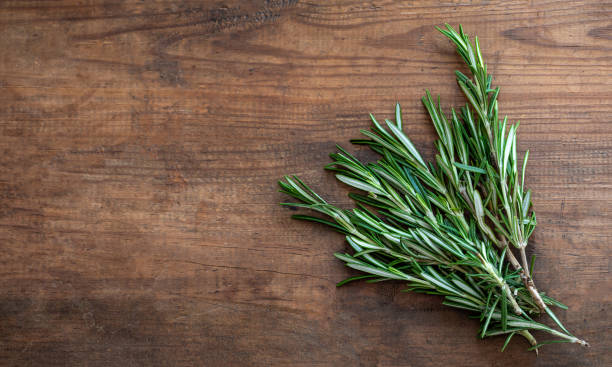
528, 281
524, 274
535, 295
525, 277
524, 259
511, 258
502, 243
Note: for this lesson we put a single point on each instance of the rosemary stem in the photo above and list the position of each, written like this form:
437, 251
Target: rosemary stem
528, 281
571, 338
530, 338
503, 285
515, 305
523, 272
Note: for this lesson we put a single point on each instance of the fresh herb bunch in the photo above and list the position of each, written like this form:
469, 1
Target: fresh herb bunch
447, 228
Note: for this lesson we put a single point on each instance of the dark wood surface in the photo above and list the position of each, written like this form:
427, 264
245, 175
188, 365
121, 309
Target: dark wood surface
141, 142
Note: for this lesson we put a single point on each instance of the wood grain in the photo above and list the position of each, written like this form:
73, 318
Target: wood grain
141, 143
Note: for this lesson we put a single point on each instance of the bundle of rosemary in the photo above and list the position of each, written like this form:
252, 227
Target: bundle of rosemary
447, 228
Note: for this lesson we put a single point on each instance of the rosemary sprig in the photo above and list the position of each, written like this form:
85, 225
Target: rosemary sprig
444, 228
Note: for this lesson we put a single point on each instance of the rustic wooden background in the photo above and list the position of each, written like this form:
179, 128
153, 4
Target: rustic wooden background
141, 142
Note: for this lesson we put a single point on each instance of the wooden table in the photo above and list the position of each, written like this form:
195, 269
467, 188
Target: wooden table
141, 142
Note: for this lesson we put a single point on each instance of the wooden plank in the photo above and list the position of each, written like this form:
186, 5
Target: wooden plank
141, 143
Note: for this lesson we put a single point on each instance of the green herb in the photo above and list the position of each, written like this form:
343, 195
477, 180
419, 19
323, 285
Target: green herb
447, 228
